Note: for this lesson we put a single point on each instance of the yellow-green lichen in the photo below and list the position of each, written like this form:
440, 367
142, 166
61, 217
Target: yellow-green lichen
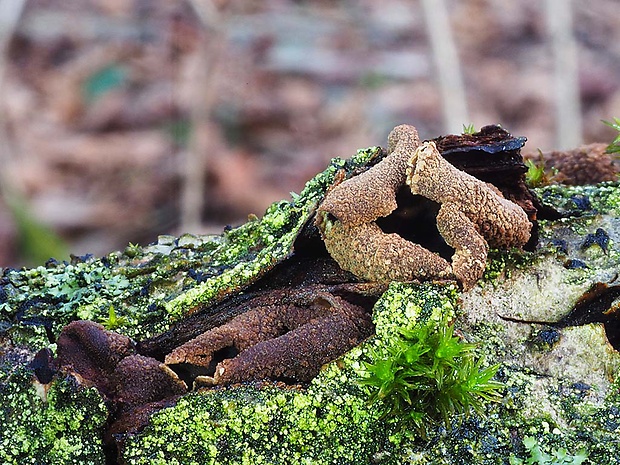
63, 428
604, 197
150, 287
253, 249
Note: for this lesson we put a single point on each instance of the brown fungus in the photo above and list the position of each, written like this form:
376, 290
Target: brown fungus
372, 194
89, 350
472, 215
108, 361
280, 342
368, 252
140, 380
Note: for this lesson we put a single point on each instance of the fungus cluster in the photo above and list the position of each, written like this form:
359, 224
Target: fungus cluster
472, 216
286, 341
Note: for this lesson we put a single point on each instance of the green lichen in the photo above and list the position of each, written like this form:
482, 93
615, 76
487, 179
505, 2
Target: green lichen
558, 456
404, 306
266, 426
502, 263
582, 200
60, 428
251, 250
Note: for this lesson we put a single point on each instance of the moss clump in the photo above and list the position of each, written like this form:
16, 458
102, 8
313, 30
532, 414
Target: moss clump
424, 376
65, 428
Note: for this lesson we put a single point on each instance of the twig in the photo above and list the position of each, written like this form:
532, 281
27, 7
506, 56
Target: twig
10, 14
447, 64
193, 197
566, 79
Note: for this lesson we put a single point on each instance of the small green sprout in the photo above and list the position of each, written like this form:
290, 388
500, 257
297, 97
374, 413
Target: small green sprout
469, 129
132, 250
614, 147
536, 176
427, 375
112, 321
557, 456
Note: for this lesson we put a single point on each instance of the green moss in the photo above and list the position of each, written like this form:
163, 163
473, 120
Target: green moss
614, 147
426, 376
65, 428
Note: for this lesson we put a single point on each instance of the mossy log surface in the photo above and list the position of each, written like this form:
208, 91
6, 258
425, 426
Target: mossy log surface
560, 369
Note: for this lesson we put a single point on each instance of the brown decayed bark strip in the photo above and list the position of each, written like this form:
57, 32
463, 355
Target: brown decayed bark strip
246, 330
280, 341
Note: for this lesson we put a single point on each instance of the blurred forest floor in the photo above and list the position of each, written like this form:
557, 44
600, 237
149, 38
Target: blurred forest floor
126, 119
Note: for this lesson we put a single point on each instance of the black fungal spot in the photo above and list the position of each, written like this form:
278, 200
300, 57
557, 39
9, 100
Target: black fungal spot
581, 387
560, 245
43, 366
546, 338
145, 290
600, 238
198, 276
75, 259
574, 263
597, 305
581, 202
52, 263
